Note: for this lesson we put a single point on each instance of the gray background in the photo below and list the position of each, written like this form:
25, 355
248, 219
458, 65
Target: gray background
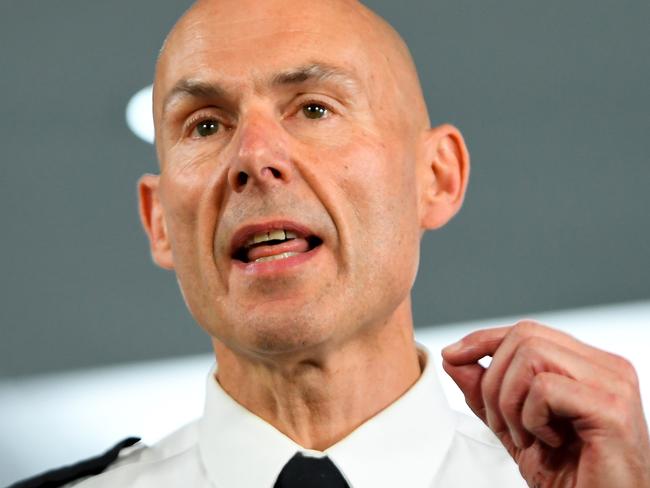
552, 98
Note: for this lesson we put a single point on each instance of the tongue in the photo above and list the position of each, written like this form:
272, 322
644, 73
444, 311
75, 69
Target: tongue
293, 245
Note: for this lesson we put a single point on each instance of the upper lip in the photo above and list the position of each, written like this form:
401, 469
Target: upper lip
244, 233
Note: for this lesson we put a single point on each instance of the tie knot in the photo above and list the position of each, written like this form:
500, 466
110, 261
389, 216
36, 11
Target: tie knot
308, 472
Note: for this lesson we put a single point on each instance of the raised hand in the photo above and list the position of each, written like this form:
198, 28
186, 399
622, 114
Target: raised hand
569, 414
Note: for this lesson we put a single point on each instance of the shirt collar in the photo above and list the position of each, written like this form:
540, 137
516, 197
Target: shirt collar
403, 445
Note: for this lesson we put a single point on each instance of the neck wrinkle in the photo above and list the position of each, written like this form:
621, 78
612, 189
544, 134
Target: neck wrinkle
318, 400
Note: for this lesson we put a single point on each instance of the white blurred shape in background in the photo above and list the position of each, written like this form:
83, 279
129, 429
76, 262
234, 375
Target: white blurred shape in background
52, 420
139, 114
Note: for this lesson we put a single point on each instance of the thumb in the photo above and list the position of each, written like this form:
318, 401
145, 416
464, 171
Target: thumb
468, 378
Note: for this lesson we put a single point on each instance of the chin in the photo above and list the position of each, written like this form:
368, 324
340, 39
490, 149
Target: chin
280, 333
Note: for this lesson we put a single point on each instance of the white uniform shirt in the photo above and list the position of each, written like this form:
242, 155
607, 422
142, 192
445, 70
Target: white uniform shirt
416, 442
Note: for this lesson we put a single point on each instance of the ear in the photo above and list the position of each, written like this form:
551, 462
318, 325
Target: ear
443, 176
153, 221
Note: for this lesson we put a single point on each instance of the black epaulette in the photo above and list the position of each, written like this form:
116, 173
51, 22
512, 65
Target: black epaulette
67, 474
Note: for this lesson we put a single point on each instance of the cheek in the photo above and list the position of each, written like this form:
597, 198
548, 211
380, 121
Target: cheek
181, 194
190, 213
378, 186
183, 188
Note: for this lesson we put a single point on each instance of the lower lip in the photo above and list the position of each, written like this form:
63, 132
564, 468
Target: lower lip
276, 266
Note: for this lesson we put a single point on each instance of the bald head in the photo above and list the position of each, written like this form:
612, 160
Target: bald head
294, 114
295, 33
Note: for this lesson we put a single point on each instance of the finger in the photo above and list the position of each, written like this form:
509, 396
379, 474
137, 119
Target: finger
502, 357
553, 395
475, 346
471, 348
611, 427
501, 343
595, 412
485, 342
536, 355
468, 378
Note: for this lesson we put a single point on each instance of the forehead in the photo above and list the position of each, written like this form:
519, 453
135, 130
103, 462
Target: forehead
246, 44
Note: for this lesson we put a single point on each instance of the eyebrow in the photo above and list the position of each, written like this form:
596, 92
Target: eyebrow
193, 89
313, 72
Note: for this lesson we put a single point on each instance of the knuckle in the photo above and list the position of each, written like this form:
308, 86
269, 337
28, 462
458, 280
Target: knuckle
528, 421
625, 369
541, 384
620, 413
509, 406
532, 345
525, 328
619, 361
628, 393
629, 371
530, 354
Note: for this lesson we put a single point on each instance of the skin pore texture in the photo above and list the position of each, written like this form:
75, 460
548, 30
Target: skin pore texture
324, 343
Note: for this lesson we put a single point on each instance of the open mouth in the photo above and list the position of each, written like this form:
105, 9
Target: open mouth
274, 244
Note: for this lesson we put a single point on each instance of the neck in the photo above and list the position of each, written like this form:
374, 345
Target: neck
319, 398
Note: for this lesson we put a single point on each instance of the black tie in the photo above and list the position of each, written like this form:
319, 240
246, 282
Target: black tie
308, 472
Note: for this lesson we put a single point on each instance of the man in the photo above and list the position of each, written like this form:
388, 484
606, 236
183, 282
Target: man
298, 172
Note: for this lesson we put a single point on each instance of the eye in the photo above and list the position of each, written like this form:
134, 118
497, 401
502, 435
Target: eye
207, 127
315, 111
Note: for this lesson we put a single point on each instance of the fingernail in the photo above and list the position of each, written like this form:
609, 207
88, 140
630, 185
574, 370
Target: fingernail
516, 438
453, 348
489, 416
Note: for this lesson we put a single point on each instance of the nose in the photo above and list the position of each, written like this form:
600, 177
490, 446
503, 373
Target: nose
261, 156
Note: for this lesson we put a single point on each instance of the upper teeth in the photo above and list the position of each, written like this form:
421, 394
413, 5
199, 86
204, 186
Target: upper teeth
274, 235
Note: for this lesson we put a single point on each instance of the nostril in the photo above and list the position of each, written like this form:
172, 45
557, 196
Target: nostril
242, 178
275, 173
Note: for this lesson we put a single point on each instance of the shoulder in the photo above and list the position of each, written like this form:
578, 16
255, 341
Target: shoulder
72, 472
166, 463
129, 464
477, 458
